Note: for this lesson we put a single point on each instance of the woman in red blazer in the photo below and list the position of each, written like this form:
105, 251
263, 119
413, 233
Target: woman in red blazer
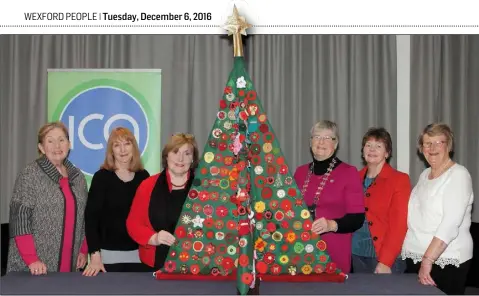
377, 244
159, 201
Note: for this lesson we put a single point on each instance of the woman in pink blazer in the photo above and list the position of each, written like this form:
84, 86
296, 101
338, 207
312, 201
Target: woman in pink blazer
333, 192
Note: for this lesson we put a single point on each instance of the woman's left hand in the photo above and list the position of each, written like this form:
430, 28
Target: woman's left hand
81, 261
322, 225
425, 274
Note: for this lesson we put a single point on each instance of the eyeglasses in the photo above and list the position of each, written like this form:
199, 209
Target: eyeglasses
430, 144
325, 138
184, 135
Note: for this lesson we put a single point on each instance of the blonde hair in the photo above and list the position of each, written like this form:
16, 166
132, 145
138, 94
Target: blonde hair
175, 142
118, 134
437, 129
46, 128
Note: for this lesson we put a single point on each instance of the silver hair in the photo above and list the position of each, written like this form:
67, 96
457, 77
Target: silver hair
326, 124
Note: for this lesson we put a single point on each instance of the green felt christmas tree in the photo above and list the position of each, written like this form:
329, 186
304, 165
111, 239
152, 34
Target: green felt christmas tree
244, 218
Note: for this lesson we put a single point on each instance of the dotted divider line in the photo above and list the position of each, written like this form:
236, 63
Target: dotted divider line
254, 26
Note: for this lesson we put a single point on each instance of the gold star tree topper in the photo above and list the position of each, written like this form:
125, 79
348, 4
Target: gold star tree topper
236, 25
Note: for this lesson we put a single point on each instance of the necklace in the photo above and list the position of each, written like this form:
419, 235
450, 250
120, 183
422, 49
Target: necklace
182, 185
440, 170
312, 208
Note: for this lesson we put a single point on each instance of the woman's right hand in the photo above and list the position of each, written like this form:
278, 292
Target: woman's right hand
165, 238
38, 268
95, 265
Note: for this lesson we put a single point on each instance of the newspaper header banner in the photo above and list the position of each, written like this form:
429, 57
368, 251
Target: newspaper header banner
265, 16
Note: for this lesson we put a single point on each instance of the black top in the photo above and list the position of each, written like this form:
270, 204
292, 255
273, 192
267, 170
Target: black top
320, 167
107, 208
165, 209
351, 221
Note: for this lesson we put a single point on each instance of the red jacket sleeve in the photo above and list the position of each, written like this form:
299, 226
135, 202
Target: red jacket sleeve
137, 223
397, 228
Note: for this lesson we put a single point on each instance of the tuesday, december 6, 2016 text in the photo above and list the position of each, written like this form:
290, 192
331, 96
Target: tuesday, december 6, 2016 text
105, 16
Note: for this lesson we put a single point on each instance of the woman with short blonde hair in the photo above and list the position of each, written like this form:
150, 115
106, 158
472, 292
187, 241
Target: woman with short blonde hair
47, 209
438, 244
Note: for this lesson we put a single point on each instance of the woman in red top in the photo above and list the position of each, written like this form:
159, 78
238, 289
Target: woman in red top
159, 200
377, 245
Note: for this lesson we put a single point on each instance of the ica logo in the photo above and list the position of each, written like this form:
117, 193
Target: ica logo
92, 114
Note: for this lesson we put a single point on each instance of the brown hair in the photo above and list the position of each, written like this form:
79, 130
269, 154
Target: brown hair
379, 134
437, 129
122, 133
175, 142
46, 128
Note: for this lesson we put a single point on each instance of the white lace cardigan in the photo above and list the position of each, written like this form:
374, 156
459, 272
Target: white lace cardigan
441, 208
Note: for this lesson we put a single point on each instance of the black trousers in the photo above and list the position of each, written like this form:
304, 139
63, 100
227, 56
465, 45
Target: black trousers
450, 280
128, 267
473, 278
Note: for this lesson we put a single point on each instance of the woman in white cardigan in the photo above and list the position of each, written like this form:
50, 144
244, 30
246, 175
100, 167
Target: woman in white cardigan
438, 245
